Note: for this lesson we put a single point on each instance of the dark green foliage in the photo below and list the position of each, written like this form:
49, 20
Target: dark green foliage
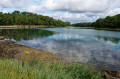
80, 72
108, 22
25, 34
87, 24
27, 18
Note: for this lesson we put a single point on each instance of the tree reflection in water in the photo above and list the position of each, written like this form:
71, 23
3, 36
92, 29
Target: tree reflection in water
25, 34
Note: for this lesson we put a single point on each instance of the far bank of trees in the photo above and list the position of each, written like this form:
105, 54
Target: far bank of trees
87, 24
27, 18
108, 22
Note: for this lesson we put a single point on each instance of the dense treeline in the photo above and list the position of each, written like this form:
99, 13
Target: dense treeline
27, 18
108, 22
87, 24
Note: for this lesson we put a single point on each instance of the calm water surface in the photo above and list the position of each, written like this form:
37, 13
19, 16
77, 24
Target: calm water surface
99, 48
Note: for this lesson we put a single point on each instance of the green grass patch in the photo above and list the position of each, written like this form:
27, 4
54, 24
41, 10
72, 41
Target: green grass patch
13, 69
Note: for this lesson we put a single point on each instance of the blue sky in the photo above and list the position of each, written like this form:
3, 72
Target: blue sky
67, 10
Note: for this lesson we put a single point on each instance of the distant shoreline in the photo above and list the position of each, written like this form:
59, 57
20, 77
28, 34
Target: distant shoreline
25, 26
111, 29
21, 26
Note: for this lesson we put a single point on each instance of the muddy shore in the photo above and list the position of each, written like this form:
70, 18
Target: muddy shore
2, 37
10, 49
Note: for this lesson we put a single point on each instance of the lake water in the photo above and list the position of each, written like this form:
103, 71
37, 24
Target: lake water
98, 48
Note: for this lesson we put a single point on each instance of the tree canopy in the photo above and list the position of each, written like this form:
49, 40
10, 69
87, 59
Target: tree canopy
108, 22
87, 24
27, 18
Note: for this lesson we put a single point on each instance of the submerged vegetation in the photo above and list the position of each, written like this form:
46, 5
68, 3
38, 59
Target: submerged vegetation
111, 39
27, 18
13, 69
112, 22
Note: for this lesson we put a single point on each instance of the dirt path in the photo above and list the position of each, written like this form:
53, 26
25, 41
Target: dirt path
10, 49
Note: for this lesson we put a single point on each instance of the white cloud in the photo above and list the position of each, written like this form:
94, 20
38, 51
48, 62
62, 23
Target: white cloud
113, 12
67, 10
5, 11
74, 5
35, 9
77, 10
80, 5
72, 17
13, 3
83, 17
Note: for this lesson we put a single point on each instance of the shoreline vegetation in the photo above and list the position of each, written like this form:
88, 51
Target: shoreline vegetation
38, 26
28, 18
110, 29
23, 26
11, 52
38, 64
108, 23
26, 26
19, 27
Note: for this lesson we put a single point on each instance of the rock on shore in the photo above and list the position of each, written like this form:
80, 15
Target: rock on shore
1, 37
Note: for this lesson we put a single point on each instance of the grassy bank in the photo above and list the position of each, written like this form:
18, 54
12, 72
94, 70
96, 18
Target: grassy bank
35, 69
10, 49
15, 63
